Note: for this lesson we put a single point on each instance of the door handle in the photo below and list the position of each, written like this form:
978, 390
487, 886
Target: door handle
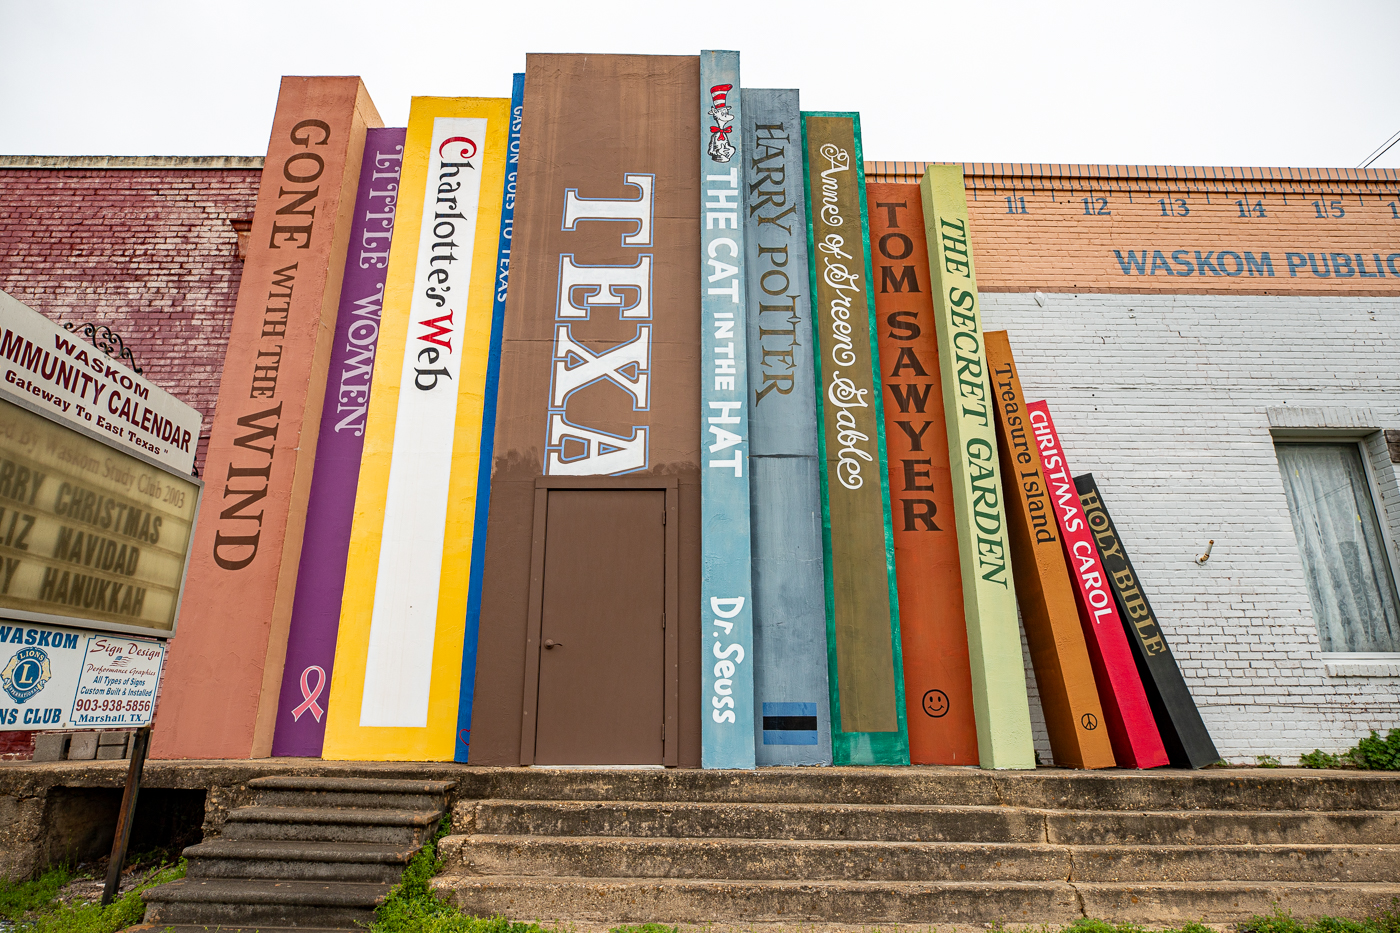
551, 643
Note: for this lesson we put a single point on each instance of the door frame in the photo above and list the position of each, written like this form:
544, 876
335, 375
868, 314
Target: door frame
671, 690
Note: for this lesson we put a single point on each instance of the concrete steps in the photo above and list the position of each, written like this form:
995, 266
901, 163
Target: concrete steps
809, 860
857, 903
926, 846
313, 852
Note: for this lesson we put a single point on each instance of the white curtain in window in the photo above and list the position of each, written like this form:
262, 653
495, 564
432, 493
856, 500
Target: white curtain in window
1334, 518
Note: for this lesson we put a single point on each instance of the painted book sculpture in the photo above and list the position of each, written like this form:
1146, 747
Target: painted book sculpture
590, 607
1184, 734
792, 709
1074, 717
865, 670
989, 592
1136, 743
241, 582
397, 675
933, 632
306, 675
726, 595
470, 636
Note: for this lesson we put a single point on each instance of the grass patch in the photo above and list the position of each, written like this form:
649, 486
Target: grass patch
1087, 925
37, 907
19, 900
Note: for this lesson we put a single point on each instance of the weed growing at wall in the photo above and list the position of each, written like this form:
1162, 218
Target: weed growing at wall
1372, 753
414, 907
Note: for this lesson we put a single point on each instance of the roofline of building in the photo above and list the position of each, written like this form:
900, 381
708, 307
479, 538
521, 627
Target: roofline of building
129, 162
1033, 174
1125, 175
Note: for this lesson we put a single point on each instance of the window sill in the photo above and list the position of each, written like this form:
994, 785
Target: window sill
1361, 664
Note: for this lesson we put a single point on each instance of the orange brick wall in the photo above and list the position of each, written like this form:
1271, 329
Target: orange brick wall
1150, 229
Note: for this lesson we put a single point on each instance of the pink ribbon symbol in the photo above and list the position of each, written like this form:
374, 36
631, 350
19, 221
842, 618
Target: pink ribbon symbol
310, 696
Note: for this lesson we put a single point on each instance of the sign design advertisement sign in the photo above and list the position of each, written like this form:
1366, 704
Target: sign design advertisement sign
865, 668
398, 658
726, 595
57, 678
306, 675
989, 593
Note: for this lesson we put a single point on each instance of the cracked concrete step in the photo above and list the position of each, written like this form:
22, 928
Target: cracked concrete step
751, 860
293, 860
675, 901
1236, 863
815, 860
1256, 790
325, 824
615, 900
242, 902
899, 823
279, 791
1204, 827
1229, 901
750, 821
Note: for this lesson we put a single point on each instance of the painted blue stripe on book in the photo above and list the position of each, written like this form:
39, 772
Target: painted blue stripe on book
774, 737
467, 692
789, 709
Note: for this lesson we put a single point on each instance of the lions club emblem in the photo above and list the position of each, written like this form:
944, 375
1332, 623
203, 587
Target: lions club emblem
26, 673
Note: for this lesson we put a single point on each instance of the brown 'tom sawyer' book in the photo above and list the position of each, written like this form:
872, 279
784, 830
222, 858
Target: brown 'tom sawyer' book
933, 632
1068, 696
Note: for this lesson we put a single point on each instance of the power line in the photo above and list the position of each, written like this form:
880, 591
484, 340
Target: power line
1385, 147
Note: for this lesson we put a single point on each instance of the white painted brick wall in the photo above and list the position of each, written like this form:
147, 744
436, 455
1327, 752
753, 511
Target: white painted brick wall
1165, 399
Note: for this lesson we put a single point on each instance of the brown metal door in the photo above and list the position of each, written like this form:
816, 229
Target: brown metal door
602, 642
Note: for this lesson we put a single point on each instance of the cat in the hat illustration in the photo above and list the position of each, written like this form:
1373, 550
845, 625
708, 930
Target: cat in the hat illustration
720, 148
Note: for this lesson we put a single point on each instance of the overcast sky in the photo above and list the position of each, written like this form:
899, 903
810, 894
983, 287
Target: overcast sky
1186, 83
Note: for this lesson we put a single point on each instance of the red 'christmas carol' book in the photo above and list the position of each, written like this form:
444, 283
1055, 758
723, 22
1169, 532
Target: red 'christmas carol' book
1133, 731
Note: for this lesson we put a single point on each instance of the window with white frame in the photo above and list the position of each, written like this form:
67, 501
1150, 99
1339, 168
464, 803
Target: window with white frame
1350, 579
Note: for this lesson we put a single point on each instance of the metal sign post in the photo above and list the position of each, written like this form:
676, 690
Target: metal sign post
140, 742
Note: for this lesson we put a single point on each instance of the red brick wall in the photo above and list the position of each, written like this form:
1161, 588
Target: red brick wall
150, 252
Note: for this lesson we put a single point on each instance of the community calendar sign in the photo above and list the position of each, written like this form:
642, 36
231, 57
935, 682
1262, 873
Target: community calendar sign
95, 528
